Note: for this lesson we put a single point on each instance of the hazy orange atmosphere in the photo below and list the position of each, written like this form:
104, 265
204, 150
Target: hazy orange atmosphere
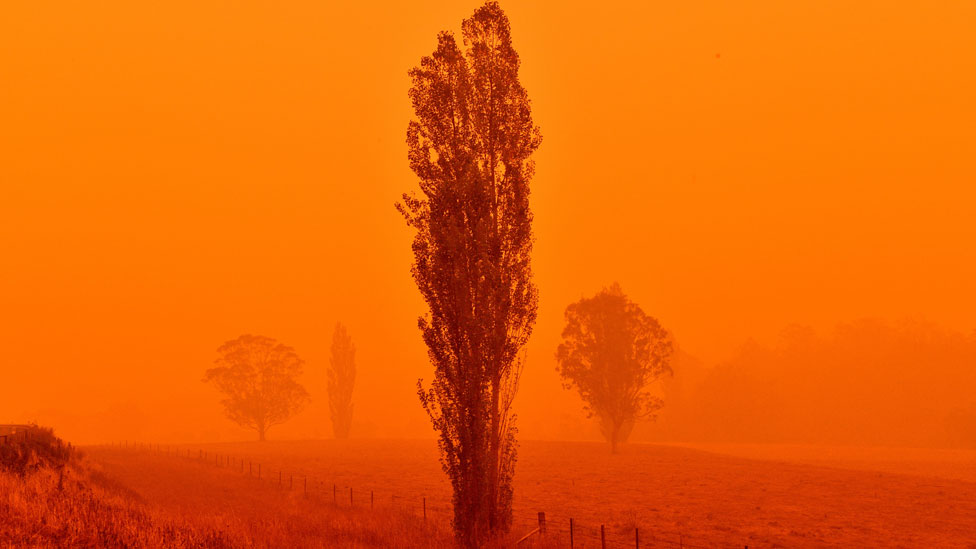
789, 188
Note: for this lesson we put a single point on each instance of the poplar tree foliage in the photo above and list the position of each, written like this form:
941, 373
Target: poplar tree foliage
258, 377
470, 146
341, 379
611, 352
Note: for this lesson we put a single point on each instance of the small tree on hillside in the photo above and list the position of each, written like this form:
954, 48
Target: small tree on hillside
258, 377
341, 380
611, 352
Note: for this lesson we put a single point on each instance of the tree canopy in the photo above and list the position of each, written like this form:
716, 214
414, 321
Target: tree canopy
258, 377
611, 352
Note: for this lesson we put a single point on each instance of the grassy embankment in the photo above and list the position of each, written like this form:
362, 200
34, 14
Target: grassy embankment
53, 496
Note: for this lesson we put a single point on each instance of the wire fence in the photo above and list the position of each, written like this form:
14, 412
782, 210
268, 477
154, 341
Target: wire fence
564, 530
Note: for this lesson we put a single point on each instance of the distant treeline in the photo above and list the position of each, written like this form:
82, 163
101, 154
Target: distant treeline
867, 382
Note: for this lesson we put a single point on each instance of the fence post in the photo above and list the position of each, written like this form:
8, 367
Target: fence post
334, 501
291, 481
542, 522
259, 470
425, 507
636, 538
306, 485
603, 538
350, 496
250, 468
571, 533
370, 499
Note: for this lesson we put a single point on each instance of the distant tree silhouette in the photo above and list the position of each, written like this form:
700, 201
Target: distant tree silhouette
341, 381
611, 352
258, 375
470, 146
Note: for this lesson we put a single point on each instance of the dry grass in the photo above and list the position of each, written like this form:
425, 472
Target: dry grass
35, 513
133, 499
31, 450
674, 495
49, 497
257, 512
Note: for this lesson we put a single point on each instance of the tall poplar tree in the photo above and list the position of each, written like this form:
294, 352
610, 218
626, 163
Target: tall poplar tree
341, 379
470, 146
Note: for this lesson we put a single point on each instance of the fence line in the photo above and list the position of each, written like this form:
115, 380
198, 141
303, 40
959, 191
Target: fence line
535, 525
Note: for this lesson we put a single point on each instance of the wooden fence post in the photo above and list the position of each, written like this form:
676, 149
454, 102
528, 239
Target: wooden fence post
350, 496
542, 522
306, 485
334, 501
603, 538
370, 499
291, 481
259, 470
571, 545
636, 538
425, 507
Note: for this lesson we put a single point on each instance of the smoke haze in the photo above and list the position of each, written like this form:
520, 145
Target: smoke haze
761, 178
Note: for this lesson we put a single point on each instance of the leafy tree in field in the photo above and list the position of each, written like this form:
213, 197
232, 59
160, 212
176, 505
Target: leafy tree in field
611, 352
258, 377
341, 380
470, 146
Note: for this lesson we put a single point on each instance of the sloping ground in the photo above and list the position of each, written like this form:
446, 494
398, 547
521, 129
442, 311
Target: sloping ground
673, 494
264, 512
258, 510
139, 500
35, 513
49, 498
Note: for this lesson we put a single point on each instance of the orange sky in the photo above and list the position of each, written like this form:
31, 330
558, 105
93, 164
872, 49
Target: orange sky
174, 175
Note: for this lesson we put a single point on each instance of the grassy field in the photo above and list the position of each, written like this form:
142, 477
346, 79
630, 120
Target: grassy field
54, 497
256, 510
777, 497
51, 497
